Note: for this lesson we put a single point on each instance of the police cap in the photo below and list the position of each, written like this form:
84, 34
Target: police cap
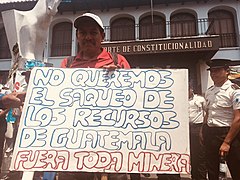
218, 63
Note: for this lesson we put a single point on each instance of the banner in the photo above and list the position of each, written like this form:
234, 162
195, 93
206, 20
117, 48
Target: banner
93, 120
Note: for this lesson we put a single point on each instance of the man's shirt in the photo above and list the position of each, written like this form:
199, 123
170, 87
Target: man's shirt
196, 109
103, 59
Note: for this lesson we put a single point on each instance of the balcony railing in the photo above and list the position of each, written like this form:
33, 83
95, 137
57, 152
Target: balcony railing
170, 29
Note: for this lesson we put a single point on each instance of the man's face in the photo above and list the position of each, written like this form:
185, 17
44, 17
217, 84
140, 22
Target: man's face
89, 36
219, 75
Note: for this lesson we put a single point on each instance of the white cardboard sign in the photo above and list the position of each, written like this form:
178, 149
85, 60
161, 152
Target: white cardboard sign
93, 120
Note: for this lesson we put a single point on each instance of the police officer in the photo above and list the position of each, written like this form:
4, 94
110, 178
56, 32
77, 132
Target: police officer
221, 132
197, 106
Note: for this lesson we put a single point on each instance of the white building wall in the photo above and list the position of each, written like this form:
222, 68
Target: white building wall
201, 9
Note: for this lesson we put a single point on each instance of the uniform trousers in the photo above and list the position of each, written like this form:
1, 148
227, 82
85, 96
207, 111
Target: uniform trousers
213, 138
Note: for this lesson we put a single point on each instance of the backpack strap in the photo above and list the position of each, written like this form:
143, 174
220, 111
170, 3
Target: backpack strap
70, 60
114, 57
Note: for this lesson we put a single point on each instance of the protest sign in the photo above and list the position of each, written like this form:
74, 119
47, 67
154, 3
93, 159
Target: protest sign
133, 120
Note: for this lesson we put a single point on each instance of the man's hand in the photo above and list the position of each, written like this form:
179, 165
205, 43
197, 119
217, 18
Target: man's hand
111, 67
224, 149
13, 100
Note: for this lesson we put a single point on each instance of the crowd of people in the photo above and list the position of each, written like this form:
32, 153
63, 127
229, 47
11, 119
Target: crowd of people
214, 120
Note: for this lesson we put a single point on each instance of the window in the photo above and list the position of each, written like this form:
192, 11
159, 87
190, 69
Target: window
122, 29
4, 48
152, 27
61, 39
183, 24
222, 23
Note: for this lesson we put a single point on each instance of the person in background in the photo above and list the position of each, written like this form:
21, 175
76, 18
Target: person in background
90, 34
3, 129
7, 101
197, 106
221, 132
16, 114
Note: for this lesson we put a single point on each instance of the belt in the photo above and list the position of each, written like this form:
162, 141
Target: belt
218, 129
196, 124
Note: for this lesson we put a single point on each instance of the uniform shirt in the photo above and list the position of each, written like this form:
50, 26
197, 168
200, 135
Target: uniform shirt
221, 101
104, 58
196, 109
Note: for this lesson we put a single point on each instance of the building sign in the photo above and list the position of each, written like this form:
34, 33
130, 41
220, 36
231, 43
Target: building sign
128, 120
164, 46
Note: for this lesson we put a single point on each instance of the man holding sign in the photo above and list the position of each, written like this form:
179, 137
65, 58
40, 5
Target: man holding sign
90, 34
88, 119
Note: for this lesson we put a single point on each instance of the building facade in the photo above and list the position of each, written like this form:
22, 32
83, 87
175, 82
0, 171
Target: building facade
149, 33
